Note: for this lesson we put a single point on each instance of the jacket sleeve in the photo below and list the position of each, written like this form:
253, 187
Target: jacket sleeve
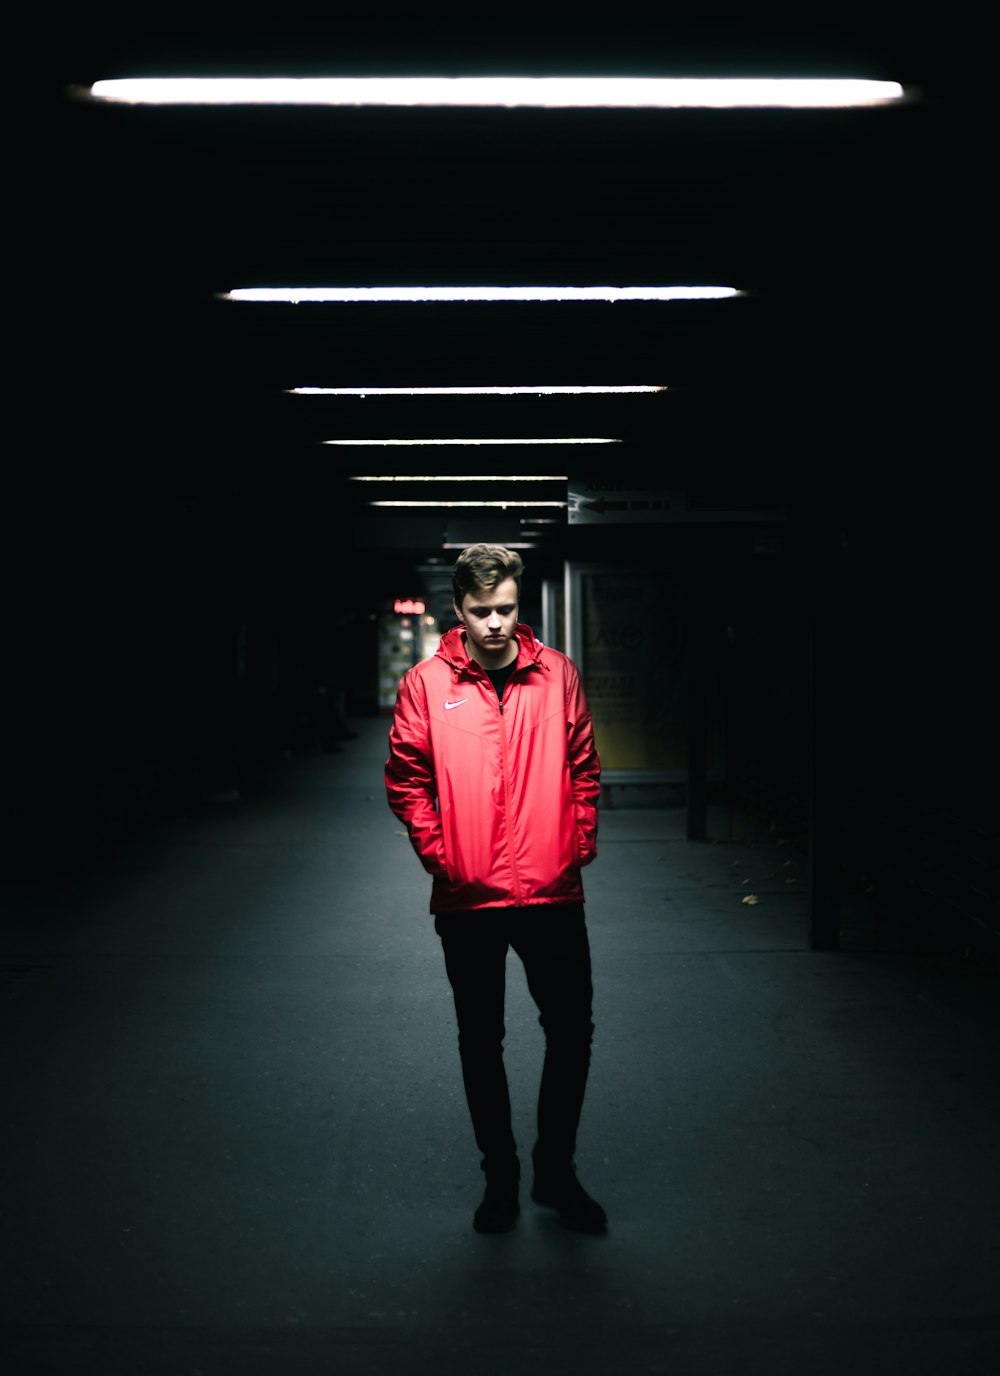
584, 766
410, 784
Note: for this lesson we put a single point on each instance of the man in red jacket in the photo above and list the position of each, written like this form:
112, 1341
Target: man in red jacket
493, 770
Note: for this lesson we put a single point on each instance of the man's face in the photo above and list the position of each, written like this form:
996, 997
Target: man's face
490, 615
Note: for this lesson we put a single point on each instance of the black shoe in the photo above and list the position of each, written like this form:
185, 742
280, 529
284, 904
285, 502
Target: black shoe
566, 1195
499, 1210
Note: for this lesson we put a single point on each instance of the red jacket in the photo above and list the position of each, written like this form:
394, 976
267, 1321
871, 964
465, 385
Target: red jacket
515, 785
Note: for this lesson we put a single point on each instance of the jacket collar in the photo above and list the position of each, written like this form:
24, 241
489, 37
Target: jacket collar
453, 651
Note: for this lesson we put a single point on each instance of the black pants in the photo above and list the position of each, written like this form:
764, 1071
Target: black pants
551, 941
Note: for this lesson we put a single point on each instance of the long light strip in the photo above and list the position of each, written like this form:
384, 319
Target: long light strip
579, 439
664, 93
464, 391
459, 478
497, 503
333, 295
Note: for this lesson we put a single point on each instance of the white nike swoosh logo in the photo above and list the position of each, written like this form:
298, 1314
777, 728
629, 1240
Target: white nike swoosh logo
449, 705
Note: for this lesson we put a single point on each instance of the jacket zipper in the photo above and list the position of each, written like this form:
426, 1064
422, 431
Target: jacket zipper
506, 797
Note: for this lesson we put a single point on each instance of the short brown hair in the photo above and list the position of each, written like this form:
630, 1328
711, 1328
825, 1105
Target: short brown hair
484, 566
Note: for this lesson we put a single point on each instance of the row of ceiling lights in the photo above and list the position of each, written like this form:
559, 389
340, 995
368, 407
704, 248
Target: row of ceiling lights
397, 294
507, 92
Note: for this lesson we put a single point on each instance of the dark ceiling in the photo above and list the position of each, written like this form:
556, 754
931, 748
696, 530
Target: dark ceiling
821, 388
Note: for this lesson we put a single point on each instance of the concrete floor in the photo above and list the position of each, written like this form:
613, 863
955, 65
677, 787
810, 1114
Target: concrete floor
236, 1141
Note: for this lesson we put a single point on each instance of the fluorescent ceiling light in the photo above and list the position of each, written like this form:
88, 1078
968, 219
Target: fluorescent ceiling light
664, 93
497, 503
459, 478
463, 391
580, 439
297, 295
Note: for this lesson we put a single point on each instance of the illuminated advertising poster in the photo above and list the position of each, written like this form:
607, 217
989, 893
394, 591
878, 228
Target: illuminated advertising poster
626, 630
633, 640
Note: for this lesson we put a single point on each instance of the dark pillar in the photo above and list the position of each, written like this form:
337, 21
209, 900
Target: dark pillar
825, 793
697, 726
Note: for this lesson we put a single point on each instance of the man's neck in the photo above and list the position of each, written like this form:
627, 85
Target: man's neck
491, 664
